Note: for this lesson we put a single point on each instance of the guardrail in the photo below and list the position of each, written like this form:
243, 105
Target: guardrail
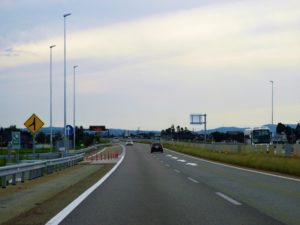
90, 149
36, 169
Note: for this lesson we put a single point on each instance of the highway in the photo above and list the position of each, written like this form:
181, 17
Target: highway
174, 189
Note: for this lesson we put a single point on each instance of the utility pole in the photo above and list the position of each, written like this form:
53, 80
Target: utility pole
65, 85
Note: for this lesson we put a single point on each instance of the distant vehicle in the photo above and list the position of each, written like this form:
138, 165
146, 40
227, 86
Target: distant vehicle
157, 147
129, 142
258, 135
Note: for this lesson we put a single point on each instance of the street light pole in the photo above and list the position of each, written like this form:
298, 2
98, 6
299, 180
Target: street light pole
272, 83
51, 143
65, 84
74, 130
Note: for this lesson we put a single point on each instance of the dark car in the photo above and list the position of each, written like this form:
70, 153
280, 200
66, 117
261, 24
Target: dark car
157, 147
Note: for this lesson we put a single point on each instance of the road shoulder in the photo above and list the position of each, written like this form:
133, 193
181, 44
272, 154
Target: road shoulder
37, 201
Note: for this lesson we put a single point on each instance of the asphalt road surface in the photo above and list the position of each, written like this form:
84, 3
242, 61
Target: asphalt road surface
174, 189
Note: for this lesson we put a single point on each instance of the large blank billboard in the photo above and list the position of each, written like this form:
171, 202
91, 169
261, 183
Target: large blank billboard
196, 119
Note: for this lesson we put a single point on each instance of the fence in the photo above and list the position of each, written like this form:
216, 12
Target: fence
279, 149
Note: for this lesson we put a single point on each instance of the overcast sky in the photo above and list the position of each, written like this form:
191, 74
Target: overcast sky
150, 64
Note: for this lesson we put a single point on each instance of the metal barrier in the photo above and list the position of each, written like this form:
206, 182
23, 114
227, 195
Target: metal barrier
36, 169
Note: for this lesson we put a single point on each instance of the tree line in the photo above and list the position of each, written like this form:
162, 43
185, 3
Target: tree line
291, 134
183, 133
83, 138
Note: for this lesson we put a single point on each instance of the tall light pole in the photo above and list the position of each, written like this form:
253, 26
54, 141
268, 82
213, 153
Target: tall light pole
74, 143
65, 84
272, 83
51, 143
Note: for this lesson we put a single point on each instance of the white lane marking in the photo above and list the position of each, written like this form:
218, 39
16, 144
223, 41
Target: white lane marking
69, 208
174, 157
168, 155
238, 168
181, 160
177, 171
231, 200
191, 164
167, 165
193, 180
161, 161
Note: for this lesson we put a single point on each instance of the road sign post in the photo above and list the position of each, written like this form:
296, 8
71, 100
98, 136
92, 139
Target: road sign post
70, 131
16, 139
34, 124
16, 142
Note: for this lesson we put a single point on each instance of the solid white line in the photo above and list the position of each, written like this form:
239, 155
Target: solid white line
177, 171
238, 168
231, 200
68, 209
193, 180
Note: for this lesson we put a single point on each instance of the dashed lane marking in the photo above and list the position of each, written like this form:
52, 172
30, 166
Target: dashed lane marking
181, 160
191, 164
231, 200
193, 180
177, 171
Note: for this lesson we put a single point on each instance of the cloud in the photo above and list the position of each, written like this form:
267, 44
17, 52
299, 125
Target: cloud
208, 58
235, 34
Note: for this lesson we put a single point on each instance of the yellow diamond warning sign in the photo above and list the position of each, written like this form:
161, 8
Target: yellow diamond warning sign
33, 124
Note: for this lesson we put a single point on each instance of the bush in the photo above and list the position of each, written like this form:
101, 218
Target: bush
3, 162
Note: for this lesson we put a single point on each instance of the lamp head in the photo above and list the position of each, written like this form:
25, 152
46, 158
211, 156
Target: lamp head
68, 14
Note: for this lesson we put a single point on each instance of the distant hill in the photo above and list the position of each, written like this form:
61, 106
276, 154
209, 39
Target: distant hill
223, 130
